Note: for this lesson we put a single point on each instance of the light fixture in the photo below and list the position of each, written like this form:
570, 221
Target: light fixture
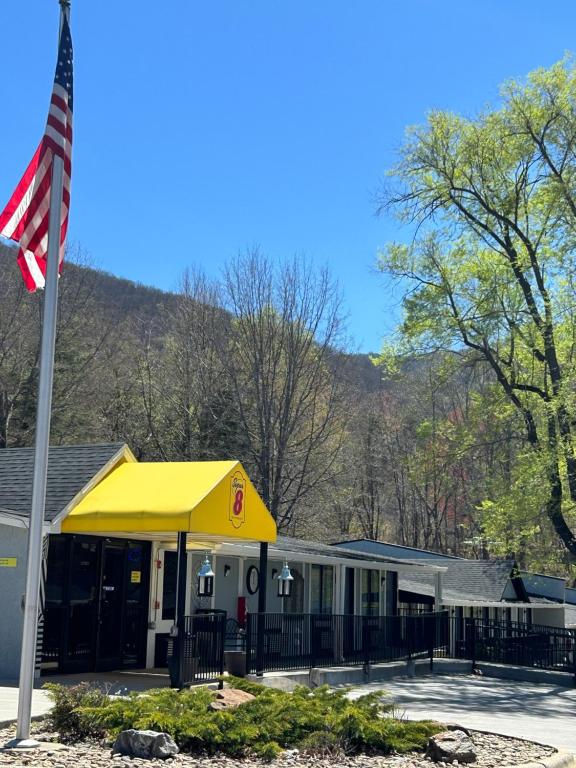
285, 580
227, 570
205, 579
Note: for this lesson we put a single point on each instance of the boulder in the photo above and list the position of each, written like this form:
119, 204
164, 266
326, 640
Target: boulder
145, 744
230, 698
448, 746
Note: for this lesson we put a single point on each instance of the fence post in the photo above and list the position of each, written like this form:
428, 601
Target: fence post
573, 645
312, 636
365, 645
222, 620
432, 629
473, 643
248, 643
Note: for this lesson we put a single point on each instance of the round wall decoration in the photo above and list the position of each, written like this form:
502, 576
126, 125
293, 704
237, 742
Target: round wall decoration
252, 579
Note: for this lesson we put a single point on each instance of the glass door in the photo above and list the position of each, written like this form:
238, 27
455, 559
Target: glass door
78, 650
110, 611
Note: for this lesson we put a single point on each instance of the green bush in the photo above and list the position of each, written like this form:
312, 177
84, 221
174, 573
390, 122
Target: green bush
319, 721
323, 744
66, 717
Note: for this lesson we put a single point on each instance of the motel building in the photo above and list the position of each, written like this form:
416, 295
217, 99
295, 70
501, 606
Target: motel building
141, 556
177, 567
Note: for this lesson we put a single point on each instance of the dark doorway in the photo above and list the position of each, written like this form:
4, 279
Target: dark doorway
110, 610
82, 604
96, 604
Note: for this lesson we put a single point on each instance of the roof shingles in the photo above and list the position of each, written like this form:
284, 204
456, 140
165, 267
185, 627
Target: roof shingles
70, 469
481, 580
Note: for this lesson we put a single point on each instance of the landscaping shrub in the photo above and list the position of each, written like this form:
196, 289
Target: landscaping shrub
319, 721
66, 716
323, 744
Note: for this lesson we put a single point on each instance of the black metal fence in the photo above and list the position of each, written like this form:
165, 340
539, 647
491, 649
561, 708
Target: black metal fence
300, 641
514, 643
197, 654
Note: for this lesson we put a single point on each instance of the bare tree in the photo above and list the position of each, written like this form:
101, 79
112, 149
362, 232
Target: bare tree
280, 357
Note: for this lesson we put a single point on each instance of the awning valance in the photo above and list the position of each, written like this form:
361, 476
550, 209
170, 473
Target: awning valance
214, 499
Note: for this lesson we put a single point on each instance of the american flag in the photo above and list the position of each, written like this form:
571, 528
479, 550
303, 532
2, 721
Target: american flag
25, 218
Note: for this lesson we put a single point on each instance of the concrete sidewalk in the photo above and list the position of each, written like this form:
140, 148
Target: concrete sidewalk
9, 703
117, 682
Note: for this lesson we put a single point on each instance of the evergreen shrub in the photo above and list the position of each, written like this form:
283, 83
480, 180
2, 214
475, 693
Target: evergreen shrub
319, 721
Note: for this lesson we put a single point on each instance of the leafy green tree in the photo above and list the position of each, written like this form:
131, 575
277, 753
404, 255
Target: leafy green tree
492, 264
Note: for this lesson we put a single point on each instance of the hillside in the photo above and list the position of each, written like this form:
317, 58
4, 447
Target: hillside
120, 300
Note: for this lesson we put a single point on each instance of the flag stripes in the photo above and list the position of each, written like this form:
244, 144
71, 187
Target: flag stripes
25, 218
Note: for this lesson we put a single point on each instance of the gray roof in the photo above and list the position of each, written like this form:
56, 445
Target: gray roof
287, 544
477, 580
70, 469
570, 595
386, 549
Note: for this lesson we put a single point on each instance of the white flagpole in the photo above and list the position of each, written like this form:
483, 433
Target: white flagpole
35, 533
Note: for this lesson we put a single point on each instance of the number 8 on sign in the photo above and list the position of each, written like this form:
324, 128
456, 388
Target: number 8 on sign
237, 509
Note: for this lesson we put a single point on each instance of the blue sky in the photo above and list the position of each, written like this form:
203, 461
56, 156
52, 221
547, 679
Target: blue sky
205, 128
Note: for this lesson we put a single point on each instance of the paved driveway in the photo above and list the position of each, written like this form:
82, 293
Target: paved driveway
542, 713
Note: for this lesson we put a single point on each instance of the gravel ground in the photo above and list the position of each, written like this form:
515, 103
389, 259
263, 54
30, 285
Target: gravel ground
493, 752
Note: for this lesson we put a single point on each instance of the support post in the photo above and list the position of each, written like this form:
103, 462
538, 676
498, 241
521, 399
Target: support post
178, 654
262, 583
438, 591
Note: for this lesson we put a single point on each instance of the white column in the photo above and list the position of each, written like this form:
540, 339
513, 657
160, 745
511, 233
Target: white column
214, 567
438, 591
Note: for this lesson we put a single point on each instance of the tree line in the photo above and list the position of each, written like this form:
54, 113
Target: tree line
459, 437
255, 367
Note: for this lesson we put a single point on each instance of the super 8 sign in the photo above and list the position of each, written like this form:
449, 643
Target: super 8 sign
237, 508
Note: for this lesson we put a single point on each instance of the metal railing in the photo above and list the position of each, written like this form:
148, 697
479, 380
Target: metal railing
197, 654
513, 643
300, 641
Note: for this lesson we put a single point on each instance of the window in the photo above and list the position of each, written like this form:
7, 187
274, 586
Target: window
321, 589
169, 585
370, 593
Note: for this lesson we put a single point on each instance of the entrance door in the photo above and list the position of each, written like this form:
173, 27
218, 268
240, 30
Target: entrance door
110, 612
96, 604
80, 622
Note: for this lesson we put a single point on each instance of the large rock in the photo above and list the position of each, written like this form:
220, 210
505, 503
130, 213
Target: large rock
448, 746
230, 698
146, 744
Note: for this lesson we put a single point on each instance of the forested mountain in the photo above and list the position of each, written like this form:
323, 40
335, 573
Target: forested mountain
254, 368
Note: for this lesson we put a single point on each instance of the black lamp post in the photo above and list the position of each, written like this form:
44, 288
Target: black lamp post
205, 579
285, 580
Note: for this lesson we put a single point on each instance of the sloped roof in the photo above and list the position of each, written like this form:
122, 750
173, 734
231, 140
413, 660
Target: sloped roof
213, 499
70, 469
290, 545
386, 549
479, 580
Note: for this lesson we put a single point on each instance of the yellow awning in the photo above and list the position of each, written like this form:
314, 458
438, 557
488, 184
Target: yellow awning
214, 499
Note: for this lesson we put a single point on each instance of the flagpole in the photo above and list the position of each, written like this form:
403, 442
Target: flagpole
42, 441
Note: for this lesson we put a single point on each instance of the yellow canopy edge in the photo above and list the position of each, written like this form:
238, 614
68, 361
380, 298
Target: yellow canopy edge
212, 498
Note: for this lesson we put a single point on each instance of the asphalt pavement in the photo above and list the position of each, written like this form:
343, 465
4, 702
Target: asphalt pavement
538, 712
